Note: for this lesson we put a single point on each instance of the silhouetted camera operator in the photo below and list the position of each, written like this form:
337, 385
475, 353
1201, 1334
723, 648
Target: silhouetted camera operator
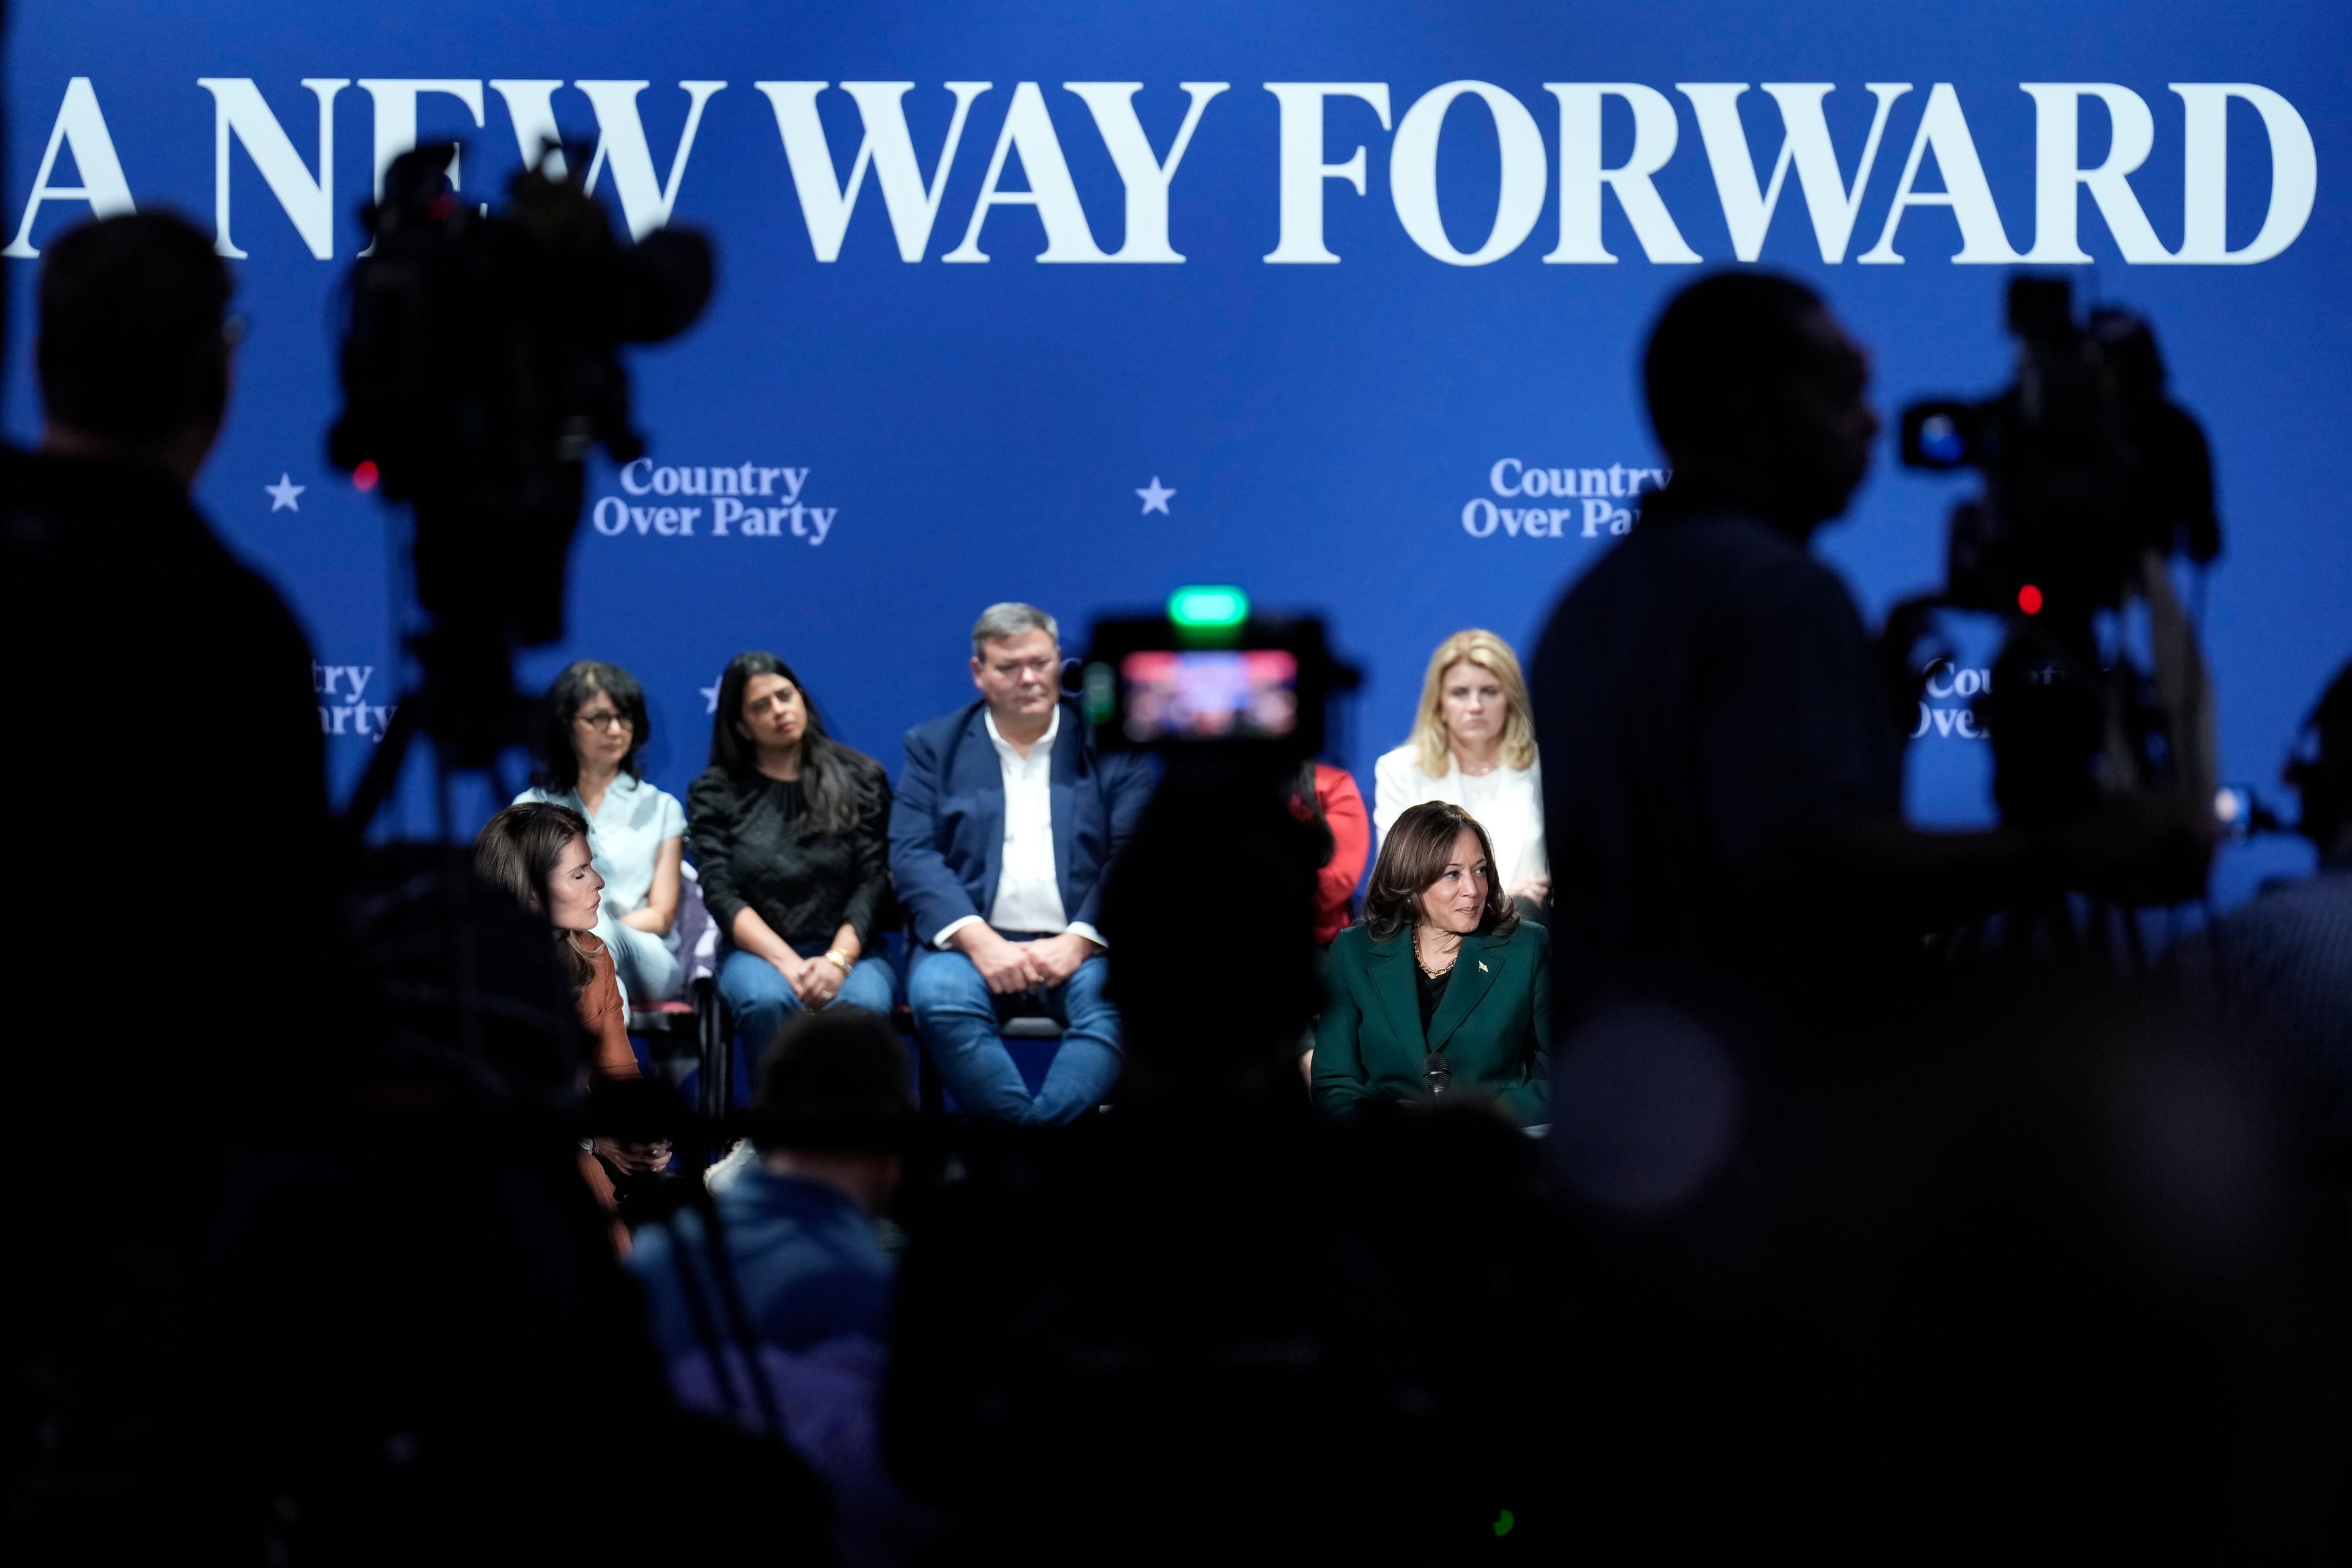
161, 676
1725, 809
167, 809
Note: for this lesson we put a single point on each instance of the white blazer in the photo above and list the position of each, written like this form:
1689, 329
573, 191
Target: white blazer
1508, 803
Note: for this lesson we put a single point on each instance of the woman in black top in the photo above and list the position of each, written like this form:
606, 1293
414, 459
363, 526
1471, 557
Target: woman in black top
789, 830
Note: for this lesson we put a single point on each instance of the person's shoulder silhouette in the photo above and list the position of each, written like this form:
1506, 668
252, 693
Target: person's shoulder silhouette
168, 783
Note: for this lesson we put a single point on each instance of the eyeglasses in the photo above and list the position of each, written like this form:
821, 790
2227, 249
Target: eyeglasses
608, 720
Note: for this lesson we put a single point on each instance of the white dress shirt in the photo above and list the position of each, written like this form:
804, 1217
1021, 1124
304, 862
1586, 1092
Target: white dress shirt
1028, 891
1508, 803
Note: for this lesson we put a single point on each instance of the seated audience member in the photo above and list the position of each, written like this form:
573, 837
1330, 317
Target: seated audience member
1005, 823
806, 1262
539, 852
1474, 745
1444, 989
1327, 800
1200, 1311
596, 731
2282, 964
788, 826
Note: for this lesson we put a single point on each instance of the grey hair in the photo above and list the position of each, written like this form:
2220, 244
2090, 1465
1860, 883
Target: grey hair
1011, 619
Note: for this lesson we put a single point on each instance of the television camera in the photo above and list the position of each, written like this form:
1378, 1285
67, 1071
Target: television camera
1210, 685
480, 364
2095, 482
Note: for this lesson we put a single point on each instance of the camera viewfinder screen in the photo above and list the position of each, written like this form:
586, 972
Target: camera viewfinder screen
1247, 695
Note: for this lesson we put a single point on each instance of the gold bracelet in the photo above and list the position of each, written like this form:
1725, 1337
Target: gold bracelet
839, 959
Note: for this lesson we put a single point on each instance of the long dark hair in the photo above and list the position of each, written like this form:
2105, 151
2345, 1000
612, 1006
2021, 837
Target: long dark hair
559, 764
518, 850
836, 781
1413, 853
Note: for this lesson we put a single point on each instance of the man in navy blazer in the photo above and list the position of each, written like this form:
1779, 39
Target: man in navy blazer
1001, 830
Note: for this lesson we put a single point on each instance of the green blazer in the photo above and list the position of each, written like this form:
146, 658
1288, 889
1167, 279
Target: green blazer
1494, 1023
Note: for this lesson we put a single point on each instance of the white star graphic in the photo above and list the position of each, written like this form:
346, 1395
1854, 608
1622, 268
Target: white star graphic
1155, 498
710, 697
281, 494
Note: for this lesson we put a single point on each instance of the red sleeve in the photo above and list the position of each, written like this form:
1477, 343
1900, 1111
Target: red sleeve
1351, 837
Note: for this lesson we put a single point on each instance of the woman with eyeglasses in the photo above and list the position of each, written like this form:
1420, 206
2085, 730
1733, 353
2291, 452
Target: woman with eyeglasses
1443, 991
590, 750
791, 836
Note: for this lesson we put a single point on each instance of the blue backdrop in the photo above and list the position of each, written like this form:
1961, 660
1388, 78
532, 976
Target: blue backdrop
1404, 261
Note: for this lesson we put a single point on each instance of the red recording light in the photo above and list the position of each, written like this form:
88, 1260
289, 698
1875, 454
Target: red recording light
364, 475
2029, 599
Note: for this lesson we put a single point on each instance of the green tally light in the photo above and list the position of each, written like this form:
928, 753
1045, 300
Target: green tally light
1208, 606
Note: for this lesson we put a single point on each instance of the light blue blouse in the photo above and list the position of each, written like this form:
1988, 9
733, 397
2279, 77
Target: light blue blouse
625, 834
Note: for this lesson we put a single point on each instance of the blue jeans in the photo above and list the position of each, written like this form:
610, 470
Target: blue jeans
761, 999
957, 1015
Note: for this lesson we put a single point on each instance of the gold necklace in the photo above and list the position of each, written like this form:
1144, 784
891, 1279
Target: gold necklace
1433, 974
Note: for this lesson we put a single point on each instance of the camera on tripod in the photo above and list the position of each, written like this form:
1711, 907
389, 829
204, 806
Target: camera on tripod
2095, 481
481, 364
2090, 468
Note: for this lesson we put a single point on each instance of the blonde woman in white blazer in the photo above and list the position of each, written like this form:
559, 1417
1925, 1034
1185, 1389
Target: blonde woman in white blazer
1474, 745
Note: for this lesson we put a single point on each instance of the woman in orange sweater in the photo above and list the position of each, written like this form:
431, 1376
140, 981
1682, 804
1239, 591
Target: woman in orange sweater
539, 852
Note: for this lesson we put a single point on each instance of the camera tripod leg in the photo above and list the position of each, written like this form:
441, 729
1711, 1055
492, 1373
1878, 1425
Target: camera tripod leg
382, 772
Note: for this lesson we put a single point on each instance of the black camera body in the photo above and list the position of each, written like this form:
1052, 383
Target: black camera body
1242, 694
481, 364
2088, 467
2093, 481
